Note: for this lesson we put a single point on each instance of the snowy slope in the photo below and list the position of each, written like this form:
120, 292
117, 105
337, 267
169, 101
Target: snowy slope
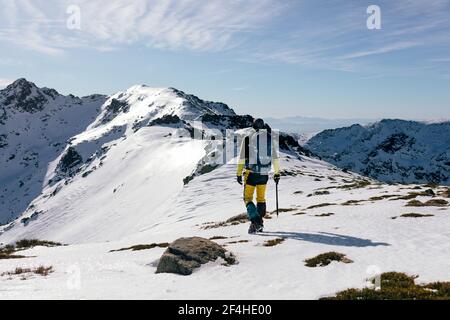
390, 150
366, 233
35, 124
122, 182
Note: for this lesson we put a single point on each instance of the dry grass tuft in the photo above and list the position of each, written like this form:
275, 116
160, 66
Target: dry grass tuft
325, 259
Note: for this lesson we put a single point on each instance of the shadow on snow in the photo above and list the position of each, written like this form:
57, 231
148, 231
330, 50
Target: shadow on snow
325, 238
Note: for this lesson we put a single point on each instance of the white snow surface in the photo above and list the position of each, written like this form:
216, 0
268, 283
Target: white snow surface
366, 233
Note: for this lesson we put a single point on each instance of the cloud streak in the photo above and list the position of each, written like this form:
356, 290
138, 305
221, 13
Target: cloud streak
381, 50
212, 25
334, 36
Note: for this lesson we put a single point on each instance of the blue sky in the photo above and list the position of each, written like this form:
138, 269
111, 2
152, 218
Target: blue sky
263, 57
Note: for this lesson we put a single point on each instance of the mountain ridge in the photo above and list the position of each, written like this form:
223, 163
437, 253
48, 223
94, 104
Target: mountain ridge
391, 150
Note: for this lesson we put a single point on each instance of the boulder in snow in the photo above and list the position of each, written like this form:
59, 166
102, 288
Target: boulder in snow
186, 254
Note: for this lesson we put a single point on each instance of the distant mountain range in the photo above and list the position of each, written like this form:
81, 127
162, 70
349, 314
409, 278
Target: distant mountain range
309, 126
389, 150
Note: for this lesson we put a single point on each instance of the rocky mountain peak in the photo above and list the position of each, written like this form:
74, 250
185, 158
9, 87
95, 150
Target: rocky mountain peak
25, 96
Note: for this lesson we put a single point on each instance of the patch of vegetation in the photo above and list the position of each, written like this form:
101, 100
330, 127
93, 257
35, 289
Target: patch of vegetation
429, 203
397, 286
413, 195
280, 210
319, 193
357, 184
352, 202
445, 193
414, 203
239, 241
324, 214
325, 259
8, 249
273, 242
386, 196
291, 173
143, 247
415, 215
349, 185
41, 270
298, 192
10, 256
299, 213
218, 238
30, 243
241, 218
321, 205
441, 288
7, 252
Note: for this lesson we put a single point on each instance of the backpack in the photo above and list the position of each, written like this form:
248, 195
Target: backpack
258, 151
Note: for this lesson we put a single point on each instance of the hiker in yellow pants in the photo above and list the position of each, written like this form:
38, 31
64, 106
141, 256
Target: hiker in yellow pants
258, 152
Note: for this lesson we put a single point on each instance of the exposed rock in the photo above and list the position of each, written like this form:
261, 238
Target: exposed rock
186, 254
70, 160
229, 122
165, 120
113, 109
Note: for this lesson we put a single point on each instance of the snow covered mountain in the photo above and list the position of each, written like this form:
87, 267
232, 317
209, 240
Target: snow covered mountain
131, 174
133, 150
35, 124
390, 150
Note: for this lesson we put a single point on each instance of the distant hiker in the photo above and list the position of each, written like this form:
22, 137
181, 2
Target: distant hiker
259, 151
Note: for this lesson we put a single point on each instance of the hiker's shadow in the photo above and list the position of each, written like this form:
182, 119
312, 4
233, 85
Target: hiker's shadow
325, 238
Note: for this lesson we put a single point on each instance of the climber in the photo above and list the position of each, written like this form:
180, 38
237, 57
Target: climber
259, 151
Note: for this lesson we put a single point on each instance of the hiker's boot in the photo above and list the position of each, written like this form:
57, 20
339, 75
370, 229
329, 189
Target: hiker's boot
256, 225
253, 228
259, 227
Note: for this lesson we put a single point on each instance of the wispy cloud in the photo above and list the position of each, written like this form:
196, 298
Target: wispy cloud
381, 50
333, 35
211, 25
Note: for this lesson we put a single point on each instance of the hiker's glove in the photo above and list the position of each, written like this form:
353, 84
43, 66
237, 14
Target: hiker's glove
239, 179
276, 177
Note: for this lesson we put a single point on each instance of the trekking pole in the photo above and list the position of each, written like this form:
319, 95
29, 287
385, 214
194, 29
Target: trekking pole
276, 195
